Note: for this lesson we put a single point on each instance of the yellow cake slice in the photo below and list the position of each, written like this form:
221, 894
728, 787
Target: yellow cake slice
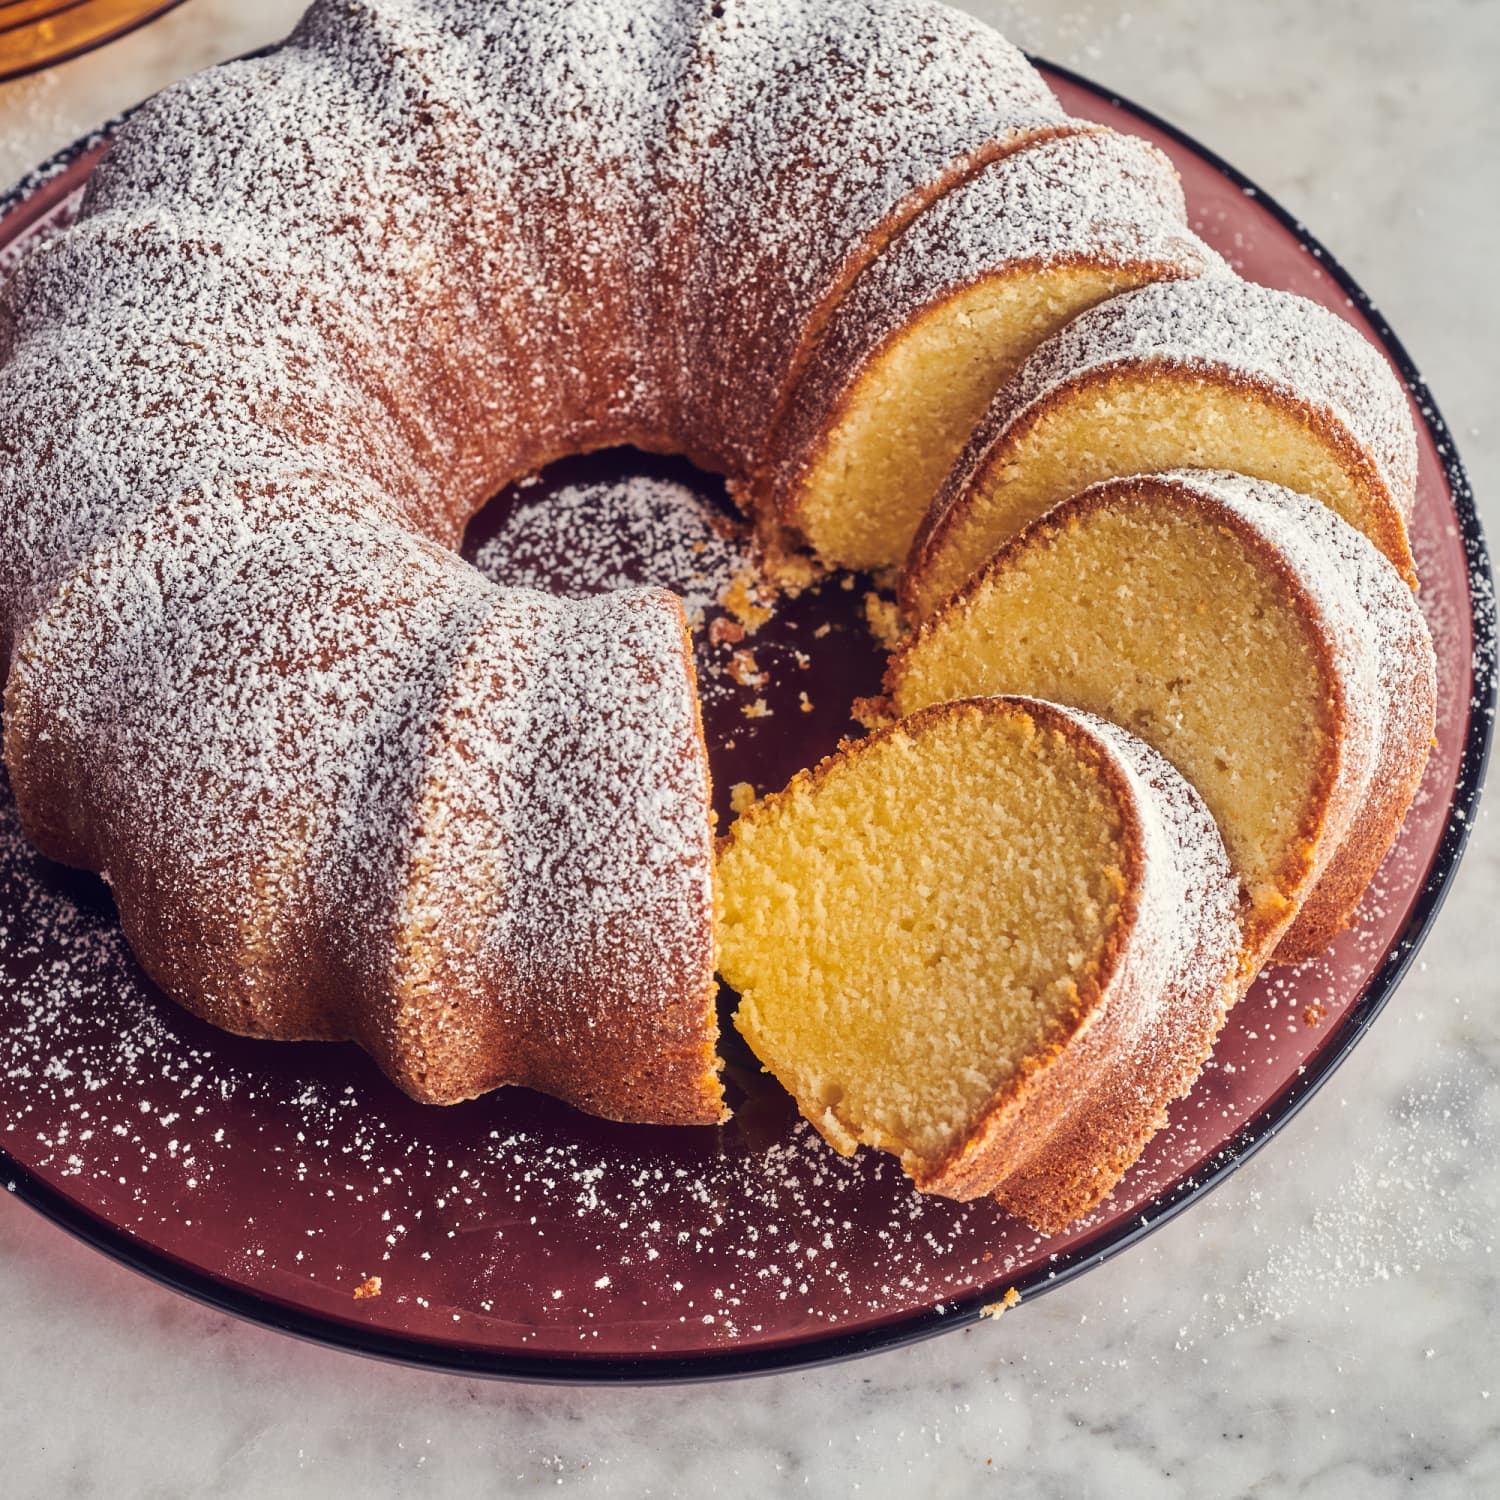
994, 939
1256, 640
1215, 373
929, 332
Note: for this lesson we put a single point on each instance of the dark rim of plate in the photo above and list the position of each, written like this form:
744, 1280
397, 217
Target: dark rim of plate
1067, 1264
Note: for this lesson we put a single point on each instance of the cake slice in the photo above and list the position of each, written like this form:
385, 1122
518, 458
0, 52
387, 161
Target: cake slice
1256, 640
1215, 373
917, 349
994, 939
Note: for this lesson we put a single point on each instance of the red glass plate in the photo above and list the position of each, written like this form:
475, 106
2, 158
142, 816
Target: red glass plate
511, 1236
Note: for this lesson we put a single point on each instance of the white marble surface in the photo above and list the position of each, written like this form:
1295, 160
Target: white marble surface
1325, 1324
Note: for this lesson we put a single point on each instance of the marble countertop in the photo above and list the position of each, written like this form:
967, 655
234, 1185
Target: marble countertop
1326, 1323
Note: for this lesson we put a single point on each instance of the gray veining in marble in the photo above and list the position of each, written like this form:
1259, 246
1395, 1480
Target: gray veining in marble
1326, 1324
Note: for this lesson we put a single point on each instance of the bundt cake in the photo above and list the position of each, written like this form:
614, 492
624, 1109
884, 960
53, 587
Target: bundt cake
319, 305
322, 303
1215, 373
1017, 1031
914, 354
1254, 638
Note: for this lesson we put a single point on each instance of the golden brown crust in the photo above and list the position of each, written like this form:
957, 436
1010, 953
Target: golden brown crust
1407, 690
615, 296
1079, 1163
1052, 1151
1332, 902
234, 977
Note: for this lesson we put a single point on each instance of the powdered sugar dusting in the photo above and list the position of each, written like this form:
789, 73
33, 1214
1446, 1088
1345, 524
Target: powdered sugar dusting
887, 102
594, 536
586, 925
1186, 928
1094, 197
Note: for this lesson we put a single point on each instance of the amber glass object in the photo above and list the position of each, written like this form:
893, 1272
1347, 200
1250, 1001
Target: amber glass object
37, 33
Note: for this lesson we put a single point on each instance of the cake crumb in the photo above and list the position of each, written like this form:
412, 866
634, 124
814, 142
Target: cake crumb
741, 797
792, 571
746, 671
872, 713
884, 620
369, 1287
739, 600
995, 1309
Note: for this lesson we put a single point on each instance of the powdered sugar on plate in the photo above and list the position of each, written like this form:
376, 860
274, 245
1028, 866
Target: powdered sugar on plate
593, 536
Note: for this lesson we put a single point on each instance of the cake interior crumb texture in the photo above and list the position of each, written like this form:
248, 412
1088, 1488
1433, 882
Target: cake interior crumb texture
910, 924
916, 406
1135, 421
1176, 630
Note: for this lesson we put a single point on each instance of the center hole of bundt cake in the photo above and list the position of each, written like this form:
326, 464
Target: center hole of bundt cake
612, 520
777, 669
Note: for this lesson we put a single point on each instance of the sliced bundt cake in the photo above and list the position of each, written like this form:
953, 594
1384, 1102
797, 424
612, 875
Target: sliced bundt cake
1256, 640
914, 354
994, 939
1215, 373
319, 305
